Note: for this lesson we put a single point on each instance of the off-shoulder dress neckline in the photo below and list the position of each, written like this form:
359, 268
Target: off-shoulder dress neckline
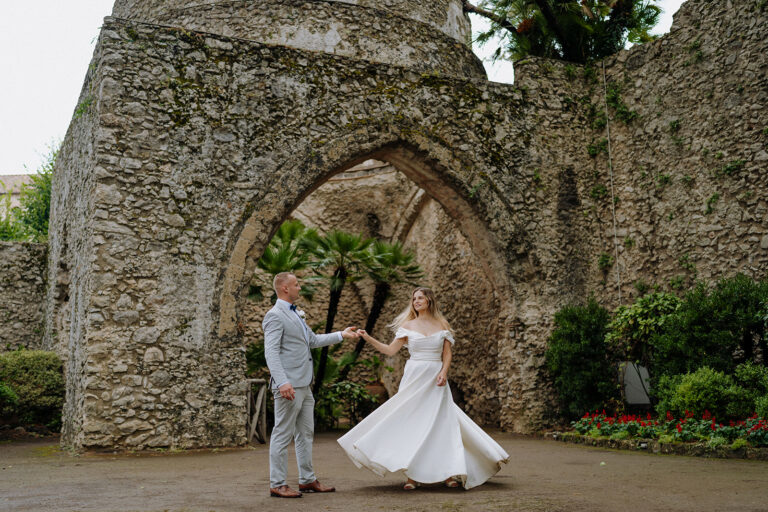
422, 334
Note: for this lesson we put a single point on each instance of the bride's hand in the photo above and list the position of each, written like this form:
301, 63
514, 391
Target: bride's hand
442, 378
362, 333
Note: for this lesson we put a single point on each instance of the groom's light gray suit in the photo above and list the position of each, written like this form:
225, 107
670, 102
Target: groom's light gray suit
287, 340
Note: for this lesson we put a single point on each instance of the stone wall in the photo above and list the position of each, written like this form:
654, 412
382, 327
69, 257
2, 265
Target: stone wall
22, 294
425, 36
195, 147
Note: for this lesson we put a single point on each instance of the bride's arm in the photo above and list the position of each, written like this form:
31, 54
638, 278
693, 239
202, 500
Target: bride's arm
385, 349
442, 377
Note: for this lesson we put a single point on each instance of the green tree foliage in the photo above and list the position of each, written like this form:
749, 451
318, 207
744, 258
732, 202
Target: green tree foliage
571, 30
716, 326
341, 258
29, 221
37, 380
10, 229
633, 325
577, 359
290, 250
389, 264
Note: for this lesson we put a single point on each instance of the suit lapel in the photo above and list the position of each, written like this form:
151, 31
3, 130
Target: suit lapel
293, 317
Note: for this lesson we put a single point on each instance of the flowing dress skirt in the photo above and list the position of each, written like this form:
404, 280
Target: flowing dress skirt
421, 433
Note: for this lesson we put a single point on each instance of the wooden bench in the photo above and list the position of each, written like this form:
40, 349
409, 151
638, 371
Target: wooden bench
257, 410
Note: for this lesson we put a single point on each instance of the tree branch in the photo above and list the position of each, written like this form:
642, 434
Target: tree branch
546, 11
500, 20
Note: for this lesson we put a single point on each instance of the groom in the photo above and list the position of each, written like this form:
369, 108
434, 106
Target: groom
287, 340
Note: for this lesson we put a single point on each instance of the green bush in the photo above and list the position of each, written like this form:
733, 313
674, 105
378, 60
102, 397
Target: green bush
718, 327
703, 390
36, 378
633, 325
761, 406
577, 359
752, 377
7, 397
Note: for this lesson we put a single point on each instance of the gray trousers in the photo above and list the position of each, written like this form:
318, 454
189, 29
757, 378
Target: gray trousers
293, 420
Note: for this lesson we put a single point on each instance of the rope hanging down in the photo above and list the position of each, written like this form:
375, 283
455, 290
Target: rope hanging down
610, 174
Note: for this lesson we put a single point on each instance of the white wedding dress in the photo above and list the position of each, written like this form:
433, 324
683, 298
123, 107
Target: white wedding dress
420, 432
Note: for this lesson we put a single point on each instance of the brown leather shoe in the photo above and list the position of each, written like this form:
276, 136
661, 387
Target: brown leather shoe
284, 492
315, 486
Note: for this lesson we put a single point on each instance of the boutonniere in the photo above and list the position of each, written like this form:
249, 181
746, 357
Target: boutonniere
301, 313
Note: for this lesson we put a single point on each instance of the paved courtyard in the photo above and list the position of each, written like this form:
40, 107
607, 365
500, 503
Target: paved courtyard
542, 476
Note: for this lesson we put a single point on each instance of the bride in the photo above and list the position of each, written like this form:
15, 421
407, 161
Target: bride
420, 432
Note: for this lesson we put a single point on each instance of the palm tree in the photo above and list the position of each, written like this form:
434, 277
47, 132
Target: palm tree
290, 250
389, 264
571, 30
347, 254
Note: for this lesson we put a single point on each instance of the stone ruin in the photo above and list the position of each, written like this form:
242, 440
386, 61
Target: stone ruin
202, 125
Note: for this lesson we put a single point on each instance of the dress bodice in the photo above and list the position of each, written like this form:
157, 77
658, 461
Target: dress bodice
425, 348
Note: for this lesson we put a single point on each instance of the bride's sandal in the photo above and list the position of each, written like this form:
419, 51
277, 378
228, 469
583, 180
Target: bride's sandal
409, 486
452, 483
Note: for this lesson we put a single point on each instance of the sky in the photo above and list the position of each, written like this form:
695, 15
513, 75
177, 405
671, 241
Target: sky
45, 49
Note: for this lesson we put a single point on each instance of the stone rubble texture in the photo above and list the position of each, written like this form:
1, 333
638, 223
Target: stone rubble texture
189, 147
22, 292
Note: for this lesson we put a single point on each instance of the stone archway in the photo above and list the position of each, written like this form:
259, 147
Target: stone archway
476, 317
192, 147
256, 233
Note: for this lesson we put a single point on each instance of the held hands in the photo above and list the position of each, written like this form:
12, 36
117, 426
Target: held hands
363, 334
350, 334
442, 378
287, 391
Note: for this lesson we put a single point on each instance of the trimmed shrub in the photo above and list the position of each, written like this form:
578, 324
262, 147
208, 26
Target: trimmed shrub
703, 390
577, 359
37, 379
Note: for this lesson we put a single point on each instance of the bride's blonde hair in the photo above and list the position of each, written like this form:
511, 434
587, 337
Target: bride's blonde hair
410, 313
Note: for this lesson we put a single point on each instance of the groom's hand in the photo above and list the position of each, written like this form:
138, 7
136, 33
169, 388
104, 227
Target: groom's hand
287, 391
349, 333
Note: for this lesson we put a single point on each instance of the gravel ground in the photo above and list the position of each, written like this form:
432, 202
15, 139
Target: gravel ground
543, 475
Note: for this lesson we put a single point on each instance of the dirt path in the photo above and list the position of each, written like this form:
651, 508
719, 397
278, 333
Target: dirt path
542, 476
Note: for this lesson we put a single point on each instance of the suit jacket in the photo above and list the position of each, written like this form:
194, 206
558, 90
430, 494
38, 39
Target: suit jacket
287, 340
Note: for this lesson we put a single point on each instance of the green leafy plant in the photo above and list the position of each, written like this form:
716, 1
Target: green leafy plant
604, 261
344, 399
731, 167
622, 111
598, 192
577, 358
711, 202
632, 326
601, 146
674, 126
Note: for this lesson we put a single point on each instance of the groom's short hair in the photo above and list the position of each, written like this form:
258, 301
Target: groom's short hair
280, 279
